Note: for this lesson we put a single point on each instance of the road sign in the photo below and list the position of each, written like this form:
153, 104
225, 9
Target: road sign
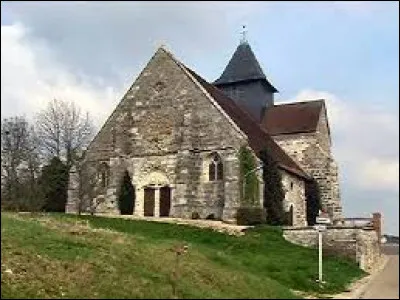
323, 220
320, 228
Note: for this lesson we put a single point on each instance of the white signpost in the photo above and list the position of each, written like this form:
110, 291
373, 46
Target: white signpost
322, 220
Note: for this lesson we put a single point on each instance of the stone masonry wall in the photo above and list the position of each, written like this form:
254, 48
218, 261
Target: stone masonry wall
295, 196
322, 133
359, 244
306, 150
162, 132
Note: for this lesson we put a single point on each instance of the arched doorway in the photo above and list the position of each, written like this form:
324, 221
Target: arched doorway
289, 216
165, 201
156, 194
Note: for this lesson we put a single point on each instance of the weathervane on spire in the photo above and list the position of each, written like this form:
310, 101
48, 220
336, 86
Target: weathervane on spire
243, 40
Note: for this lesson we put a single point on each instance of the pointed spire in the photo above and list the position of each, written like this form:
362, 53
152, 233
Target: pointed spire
243, 66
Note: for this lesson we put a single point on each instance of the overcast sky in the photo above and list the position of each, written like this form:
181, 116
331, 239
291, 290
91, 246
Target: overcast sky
344, 52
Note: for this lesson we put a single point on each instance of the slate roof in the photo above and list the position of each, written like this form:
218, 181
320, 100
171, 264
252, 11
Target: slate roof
297, 117
258, 138
243, 66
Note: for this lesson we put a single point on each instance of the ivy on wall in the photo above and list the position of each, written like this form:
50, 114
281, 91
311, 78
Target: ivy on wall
249, 185
273, 190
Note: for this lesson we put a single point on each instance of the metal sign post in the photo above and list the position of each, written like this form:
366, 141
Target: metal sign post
320, 229
321, 220
320, 255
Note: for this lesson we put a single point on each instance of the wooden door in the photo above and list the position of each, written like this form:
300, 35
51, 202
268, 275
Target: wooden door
149, 197
165, 201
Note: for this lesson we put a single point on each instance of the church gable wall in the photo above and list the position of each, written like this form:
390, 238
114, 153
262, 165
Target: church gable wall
163, 112
166, 124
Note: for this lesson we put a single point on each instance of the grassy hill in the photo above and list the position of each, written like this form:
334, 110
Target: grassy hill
64, 256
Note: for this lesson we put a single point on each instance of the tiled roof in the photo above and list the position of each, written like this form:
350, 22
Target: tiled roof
297, 117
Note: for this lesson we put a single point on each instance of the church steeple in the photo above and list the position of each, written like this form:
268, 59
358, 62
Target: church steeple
245, 82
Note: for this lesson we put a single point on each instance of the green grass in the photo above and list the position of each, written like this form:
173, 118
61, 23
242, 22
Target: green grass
64, 256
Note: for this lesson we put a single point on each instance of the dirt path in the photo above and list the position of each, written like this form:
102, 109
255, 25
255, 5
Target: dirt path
219, 226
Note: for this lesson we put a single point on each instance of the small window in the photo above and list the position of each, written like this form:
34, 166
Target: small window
216, 168
291, 185
104, 175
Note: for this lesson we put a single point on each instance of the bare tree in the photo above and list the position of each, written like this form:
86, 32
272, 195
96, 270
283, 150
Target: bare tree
63, 130
13, 152
33, 197
20, 164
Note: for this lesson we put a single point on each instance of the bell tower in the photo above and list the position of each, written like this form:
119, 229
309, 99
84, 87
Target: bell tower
244, 81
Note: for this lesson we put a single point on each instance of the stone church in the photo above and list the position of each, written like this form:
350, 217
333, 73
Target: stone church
178, 137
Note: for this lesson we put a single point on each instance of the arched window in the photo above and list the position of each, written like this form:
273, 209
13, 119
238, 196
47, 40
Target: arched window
215, 168
220, 171
104, 174
211, 171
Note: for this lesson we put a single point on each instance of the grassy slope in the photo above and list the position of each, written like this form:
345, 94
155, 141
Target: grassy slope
60, 256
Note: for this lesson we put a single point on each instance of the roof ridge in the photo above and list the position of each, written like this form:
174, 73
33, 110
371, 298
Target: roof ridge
300, 102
